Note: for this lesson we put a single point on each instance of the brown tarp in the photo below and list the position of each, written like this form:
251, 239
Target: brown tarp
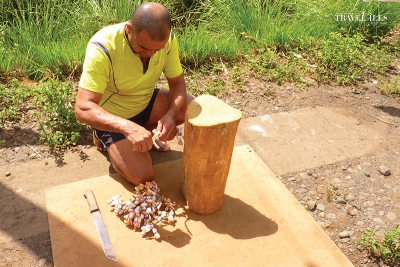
260, 224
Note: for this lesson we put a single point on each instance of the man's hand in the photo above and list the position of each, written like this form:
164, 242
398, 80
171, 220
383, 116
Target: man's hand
140, 138
167, 128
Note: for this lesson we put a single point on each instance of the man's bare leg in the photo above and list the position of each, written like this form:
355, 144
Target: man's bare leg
161, 105
97, 143
137, 167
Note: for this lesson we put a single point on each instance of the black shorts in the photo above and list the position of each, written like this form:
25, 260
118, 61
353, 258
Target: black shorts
109, 138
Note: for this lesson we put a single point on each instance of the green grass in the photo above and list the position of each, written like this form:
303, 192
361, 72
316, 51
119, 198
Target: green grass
272, 40
48, 38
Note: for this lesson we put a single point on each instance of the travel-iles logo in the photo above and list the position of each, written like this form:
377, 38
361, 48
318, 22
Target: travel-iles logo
361, 17
364, 17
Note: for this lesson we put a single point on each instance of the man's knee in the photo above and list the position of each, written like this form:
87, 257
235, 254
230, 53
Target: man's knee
136, 177
136, 167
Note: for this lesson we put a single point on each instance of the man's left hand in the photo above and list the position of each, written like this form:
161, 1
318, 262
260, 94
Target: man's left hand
166, 126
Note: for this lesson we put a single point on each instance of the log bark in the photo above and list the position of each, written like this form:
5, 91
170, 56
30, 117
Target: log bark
210, 130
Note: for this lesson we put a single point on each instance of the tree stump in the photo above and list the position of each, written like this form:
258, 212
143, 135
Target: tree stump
210, 130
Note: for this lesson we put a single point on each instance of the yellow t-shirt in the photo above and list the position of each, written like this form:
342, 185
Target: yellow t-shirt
126, 89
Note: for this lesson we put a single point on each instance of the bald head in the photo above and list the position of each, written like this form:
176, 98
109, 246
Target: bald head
153, 18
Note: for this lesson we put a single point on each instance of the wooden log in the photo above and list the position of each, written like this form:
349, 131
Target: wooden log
210, 130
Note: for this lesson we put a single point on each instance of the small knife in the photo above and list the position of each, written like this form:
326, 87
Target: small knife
100, 226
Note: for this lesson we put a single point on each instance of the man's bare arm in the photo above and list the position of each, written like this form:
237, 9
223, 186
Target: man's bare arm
177, 98
87, 110
177, 87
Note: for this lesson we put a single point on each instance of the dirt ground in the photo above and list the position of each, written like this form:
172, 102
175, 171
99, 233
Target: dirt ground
353, 195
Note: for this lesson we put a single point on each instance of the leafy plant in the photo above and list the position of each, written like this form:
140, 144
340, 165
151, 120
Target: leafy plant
388, 249
276, 67
392, 87
58, 125
13, 98
346, 59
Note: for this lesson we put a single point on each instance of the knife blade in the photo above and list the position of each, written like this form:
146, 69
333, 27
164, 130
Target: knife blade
100, 226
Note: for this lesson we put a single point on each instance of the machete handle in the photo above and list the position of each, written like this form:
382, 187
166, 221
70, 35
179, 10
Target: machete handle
91, 200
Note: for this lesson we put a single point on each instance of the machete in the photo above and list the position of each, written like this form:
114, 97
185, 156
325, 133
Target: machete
100, 226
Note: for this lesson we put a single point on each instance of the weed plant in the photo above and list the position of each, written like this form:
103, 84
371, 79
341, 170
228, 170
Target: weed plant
58, 125
346, 59
392, 87
51, 103
388, 249
13, 101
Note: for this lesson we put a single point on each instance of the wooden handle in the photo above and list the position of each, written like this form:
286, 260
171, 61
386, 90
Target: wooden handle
91, 200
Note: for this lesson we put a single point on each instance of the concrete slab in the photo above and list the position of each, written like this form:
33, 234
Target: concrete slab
259, 224
307, 138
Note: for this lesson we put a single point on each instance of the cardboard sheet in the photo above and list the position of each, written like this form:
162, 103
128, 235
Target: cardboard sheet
260, 224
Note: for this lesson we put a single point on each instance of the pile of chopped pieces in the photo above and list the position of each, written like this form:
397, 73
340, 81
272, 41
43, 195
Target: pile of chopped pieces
145, 209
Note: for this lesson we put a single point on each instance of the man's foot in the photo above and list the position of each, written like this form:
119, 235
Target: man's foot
97, 143
158, 144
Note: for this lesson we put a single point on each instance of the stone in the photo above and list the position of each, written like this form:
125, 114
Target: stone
384, 170
327, 223
360, 223
301, 190
341, 200
391, 216
8, 174
371, 211
379, 221
344, 234
321, 207
331, 216
353, 212
370, 203
33, 141
311, 204
304, 175
42, 262
350, 197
